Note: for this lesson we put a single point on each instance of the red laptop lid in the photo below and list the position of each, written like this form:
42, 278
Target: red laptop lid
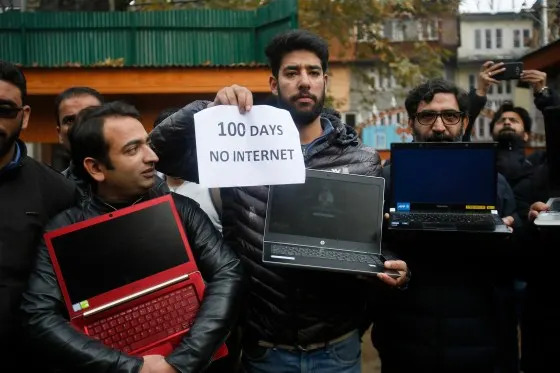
107, 258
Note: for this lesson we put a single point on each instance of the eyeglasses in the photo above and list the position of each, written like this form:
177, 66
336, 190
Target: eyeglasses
448, 117
9, 112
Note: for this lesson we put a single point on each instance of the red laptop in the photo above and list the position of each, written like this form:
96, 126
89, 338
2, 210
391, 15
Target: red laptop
129, 278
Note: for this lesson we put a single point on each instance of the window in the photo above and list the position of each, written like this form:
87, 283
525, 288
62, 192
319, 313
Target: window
508, 86
428, 29
382, 121
526, 38
488, 34
350, 119
499, 88
481, 127
498, 38
381, 141
477, 39
516, 38
399, 118
490, 89
472, 80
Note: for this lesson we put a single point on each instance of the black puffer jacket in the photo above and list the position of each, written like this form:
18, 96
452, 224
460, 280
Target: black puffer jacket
285, 306
45, 316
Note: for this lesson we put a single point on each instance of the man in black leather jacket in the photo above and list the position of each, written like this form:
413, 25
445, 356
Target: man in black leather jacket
293, 317
112, 147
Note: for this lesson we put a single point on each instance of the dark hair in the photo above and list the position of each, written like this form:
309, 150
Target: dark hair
164, 114
74, 92
86, 135
508, 106
426, 92
12, 74
296, 40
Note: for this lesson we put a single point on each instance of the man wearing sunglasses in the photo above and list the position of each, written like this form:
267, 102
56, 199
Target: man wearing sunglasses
30, 194
452, 317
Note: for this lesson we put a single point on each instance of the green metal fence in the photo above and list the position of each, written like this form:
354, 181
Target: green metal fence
153, 39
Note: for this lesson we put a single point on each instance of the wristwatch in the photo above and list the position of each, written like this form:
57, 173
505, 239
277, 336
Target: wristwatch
544, 91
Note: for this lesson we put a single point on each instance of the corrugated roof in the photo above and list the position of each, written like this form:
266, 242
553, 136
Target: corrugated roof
148, 39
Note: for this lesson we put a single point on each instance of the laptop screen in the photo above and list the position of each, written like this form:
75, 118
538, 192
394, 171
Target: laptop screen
326, 208
116, 252
447, 177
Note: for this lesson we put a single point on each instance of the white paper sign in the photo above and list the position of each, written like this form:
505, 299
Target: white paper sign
261, 147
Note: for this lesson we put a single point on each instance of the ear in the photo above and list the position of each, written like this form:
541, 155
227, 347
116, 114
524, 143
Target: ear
525, 136
273, 82
26, 114
465, 122
59, 134
326, 79
411, 123
94, 169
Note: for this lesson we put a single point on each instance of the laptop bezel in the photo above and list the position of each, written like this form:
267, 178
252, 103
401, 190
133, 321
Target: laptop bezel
353, 246
125, 291
478, 208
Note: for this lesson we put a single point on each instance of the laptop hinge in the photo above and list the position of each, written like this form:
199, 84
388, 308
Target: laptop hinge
117, 302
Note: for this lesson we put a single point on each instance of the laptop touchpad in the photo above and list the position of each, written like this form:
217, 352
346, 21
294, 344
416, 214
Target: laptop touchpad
441, 226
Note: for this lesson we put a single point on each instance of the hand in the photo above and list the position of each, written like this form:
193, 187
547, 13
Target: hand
398, 265
534, 77
234, 95
485, 80
535, 209
508, 221
150, 363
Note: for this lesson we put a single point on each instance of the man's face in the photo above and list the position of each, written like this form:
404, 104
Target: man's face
12, 119
429, 126
67, 111
509, 127
300, 86
133, 160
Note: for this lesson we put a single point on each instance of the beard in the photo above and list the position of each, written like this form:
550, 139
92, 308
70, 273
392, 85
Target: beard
304, 117
437, 137
8, 140
508, 136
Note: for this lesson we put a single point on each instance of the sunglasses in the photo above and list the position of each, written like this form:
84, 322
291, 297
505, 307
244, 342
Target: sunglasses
9, 112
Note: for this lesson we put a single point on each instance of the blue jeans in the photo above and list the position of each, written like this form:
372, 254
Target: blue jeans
341, 357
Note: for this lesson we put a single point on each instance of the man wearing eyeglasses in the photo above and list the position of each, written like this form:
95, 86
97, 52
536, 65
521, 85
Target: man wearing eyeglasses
30, 194
454, 316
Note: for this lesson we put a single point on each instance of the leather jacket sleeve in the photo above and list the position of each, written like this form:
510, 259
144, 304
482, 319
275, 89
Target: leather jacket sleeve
45, 320
222, 273
174, 142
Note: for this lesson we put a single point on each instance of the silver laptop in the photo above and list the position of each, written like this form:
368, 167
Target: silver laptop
331, 222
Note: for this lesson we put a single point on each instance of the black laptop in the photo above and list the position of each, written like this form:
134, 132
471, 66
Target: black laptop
552, 134
331, 222
444, 186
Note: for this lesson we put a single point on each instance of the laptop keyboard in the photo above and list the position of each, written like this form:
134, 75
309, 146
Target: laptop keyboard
149, 322
321, 253
478, 221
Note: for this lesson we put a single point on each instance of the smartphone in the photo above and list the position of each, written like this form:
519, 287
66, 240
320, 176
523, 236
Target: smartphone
512, 71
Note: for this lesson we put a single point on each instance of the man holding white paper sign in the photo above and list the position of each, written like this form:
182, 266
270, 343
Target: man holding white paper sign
293, 318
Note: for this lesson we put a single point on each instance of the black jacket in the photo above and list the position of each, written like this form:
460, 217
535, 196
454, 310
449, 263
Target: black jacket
45, 316
457, 314
285, 306
30, 194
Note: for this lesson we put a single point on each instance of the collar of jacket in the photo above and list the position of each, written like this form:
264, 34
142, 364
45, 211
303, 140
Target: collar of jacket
21, 153
341, 134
